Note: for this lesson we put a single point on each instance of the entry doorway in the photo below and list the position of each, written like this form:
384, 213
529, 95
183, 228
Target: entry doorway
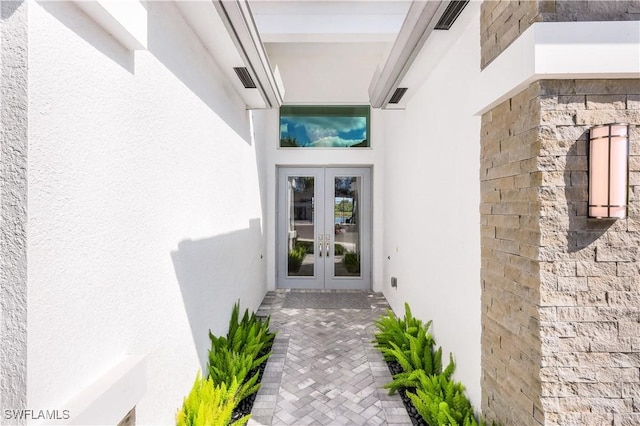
324, 228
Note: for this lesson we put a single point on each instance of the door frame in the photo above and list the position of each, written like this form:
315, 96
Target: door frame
329, 281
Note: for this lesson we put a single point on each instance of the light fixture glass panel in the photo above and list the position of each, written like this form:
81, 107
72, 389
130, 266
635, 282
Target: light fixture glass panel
598, 177
618, 175
608, 171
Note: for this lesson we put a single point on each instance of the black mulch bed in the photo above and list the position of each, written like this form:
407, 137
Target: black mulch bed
416, 419
245, 406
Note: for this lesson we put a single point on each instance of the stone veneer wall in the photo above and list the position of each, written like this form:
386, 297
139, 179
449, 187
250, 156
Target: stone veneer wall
129, 419
590, 269
502, 21
510, 274
561, 292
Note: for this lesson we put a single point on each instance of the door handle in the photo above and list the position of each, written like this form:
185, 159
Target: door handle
327, 238
319, 245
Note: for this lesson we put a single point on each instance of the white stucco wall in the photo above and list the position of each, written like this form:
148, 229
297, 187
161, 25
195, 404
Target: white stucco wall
145, 211
13, 204
432, 193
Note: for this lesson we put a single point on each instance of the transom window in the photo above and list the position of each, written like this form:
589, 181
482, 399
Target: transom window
304, 126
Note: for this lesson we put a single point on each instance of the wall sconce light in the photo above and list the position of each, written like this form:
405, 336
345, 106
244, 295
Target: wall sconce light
608, 171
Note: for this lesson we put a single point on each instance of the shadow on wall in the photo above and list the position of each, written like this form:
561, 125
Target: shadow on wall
8, 7
582, 231
258, 121
213, 274
172, 42
80, 23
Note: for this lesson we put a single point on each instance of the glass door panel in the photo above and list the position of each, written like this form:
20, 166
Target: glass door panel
300, 230
346, 248
348, 220
300, 226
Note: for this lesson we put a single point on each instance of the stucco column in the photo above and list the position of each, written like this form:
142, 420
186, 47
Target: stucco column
13, 206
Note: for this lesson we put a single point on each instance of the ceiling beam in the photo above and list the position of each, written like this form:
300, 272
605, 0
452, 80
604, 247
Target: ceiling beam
418, 25
241, 26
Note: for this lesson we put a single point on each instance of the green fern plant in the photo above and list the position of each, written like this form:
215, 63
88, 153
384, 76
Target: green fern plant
226, 366
249, 335
241, 352
441, 401
437, 398
396, 330
233, 372
210, 404
408, 342
410, 377
419, 354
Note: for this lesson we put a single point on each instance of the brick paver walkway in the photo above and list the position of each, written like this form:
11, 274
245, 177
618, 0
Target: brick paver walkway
324, 369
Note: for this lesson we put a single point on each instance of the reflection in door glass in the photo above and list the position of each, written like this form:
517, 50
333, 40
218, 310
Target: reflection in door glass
300, 193
346, 214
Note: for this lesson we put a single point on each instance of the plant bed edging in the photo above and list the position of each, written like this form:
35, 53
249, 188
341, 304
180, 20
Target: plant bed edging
416, 418
245, 406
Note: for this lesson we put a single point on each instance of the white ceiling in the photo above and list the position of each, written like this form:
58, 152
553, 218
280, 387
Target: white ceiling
327, 51
328, 20
321, 51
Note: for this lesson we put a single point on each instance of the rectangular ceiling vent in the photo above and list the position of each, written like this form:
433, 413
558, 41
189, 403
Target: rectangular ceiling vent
450, 14
397, 95
245, 77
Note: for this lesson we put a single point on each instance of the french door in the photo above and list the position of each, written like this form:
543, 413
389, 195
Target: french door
324, 228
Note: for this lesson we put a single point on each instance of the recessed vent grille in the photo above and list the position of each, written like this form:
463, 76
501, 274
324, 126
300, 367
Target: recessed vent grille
397, 95
245, 77
450, 14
